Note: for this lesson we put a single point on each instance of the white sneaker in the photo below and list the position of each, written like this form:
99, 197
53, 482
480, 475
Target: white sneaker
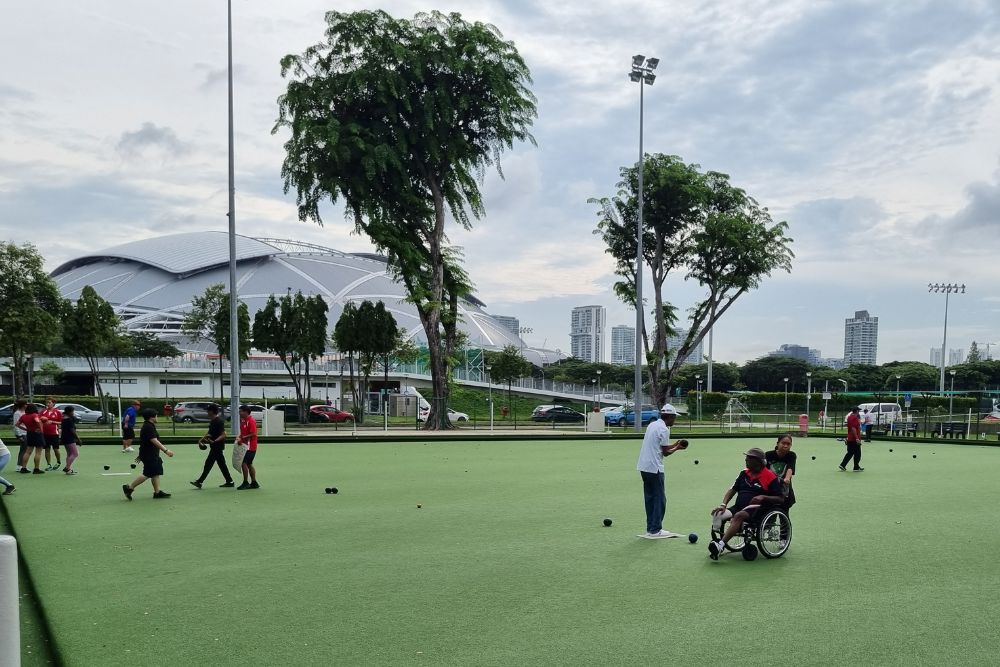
716, 549
128, 449
662, 535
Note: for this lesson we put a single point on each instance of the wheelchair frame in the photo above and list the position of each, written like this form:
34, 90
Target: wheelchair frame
771, 535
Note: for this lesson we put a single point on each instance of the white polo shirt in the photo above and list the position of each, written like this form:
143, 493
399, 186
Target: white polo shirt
651, 456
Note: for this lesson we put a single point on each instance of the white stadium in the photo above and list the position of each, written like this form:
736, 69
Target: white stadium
150, 283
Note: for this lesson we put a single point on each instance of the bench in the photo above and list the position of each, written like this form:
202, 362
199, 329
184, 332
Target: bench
903, 429
950, 429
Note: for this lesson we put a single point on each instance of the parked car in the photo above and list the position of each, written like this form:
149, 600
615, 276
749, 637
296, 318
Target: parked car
627, 416
333, 414
192, 411
882, 413
453, 415
614, 408
7, 412
256, 411
86, 415
556, 413
291, 411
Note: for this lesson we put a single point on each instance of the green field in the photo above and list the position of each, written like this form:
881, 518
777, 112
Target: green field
506, 562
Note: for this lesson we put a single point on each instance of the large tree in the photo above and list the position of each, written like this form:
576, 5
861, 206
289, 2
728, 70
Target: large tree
91, 329
399, 119
209, 320
146, 344
30, 305
697, 224
507, 365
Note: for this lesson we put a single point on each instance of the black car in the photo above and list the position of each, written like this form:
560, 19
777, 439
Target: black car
292, 413
556, 413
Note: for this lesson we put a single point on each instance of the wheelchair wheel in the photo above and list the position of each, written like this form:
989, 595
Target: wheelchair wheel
749, 552
774, 534
735, 544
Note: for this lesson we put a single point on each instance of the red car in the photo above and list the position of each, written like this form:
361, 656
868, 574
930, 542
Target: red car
332, 413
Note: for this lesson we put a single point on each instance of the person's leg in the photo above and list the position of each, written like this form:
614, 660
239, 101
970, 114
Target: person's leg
661, 501
38, 457
156, 484
219, 457
847, 457
4, 460
735, 525
23, 454
72, 451
253, 474
857, 456
649, 487
207, 468
55, 450
48, 456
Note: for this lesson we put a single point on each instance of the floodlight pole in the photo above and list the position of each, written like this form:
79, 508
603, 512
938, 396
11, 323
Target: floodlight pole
642, 73
809, 388
947, 288
234, 334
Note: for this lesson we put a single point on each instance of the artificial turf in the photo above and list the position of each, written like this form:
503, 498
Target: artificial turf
506, 560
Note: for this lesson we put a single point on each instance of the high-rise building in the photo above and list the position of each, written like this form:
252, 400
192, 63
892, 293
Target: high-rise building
860, 339
794, 351
623, 345
955, 356
674, 342
511, 324
586, 333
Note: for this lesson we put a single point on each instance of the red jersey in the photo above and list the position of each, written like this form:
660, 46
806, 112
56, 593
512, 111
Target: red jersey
54, 415
248, 433
853, 428
30, 423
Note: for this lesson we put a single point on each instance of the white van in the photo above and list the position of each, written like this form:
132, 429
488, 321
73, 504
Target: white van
882, 413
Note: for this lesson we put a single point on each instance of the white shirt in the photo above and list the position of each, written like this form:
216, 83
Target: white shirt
869, 419
19, 431
3, 449
651, 456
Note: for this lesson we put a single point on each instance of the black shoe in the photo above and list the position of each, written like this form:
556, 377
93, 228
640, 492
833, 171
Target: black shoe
859, 469
37, 471
24, 471
242, 486
161, 494
196, 484
254, 485
127, 490
228, 485
842, 468
10, 490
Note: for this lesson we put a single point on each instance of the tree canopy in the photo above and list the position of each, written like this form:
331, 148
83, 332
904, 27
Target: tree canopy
399, 119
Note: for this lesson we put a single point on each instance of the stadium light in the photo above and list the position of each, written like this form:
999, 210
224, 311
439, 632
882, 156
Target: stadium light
642, 73
234, 335
948, 289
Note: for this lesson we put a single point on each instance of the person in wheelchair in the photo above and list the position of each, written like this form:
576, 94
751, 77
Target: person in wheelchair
781, 461
755, 488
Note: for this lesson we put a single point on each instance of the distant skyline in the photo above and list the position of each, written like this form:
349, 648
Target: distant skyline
870, 127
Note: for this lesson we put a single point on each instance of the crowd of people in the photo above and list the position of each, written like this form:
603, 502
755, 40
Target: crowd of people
50, 431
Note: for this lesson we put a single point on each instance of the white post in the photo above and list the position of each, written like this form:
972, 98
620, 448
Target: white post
10, 626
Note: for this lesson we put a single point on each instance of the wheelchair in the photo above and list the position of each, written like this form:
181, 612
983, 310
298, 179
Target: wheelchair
769, 533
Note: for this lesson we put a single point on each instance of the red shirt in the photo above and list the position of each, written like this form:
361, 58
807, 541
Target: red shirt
54, 415
853, 428
248, 433
30, 423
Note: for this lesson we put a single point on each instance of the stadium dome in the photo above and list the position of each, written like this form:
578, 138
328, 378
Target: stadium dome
151, 283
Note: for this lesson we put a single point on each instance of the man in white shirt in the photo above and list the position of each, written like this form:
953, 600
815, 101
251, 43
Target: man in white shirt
869, 422
650, 467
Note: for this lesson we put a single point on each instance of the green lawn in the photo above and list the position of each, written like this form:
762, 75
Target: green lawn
506, 561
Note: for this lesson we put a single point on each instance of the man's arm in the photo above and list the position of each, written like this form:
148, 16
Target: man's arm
773, 496
161, 447
726, 497
667, 450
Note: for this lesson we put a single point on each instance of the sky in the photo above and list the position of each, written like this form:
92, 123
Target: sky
869, 127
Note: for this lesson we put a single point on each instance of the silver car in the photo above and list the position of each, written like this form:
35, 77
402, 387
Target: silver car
84, 414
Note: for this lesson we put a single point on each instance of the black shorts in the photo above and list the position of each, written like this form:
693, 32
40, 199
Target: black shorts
51, 441
35, 439
152, 467
754, 513
128, 433
249, 457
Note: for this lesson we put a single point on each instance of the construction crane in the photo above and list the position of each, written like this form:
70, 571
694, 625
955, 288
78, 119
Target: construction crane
988, 356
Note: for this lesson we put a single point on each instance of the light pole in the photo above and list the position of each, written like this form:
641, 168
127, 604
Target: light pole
327, 387
947, 288
490, 383
593, 387
598, 388
211, 385
809, 388
843, 382
166, 400
951, 395
31, 379
786, 400
697, 378
642, 73
897, 387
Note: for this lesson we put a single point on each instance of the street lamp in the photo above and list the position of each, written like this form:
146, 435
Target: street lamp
642, 73
327, 373
809, 388
897, 387
951, 395
786, 400
598, 388
490, 383
843, 382
211, 384
947, 288
31, 380
166, 399
697, 378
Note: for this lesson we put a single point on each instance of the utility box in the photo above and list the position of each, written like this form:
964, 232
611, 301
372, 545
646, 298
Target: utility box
595, 422
274, 422
403, 405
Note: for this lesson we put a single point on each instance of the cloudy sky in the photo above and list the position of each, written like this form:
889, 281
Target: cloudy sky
871, 127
